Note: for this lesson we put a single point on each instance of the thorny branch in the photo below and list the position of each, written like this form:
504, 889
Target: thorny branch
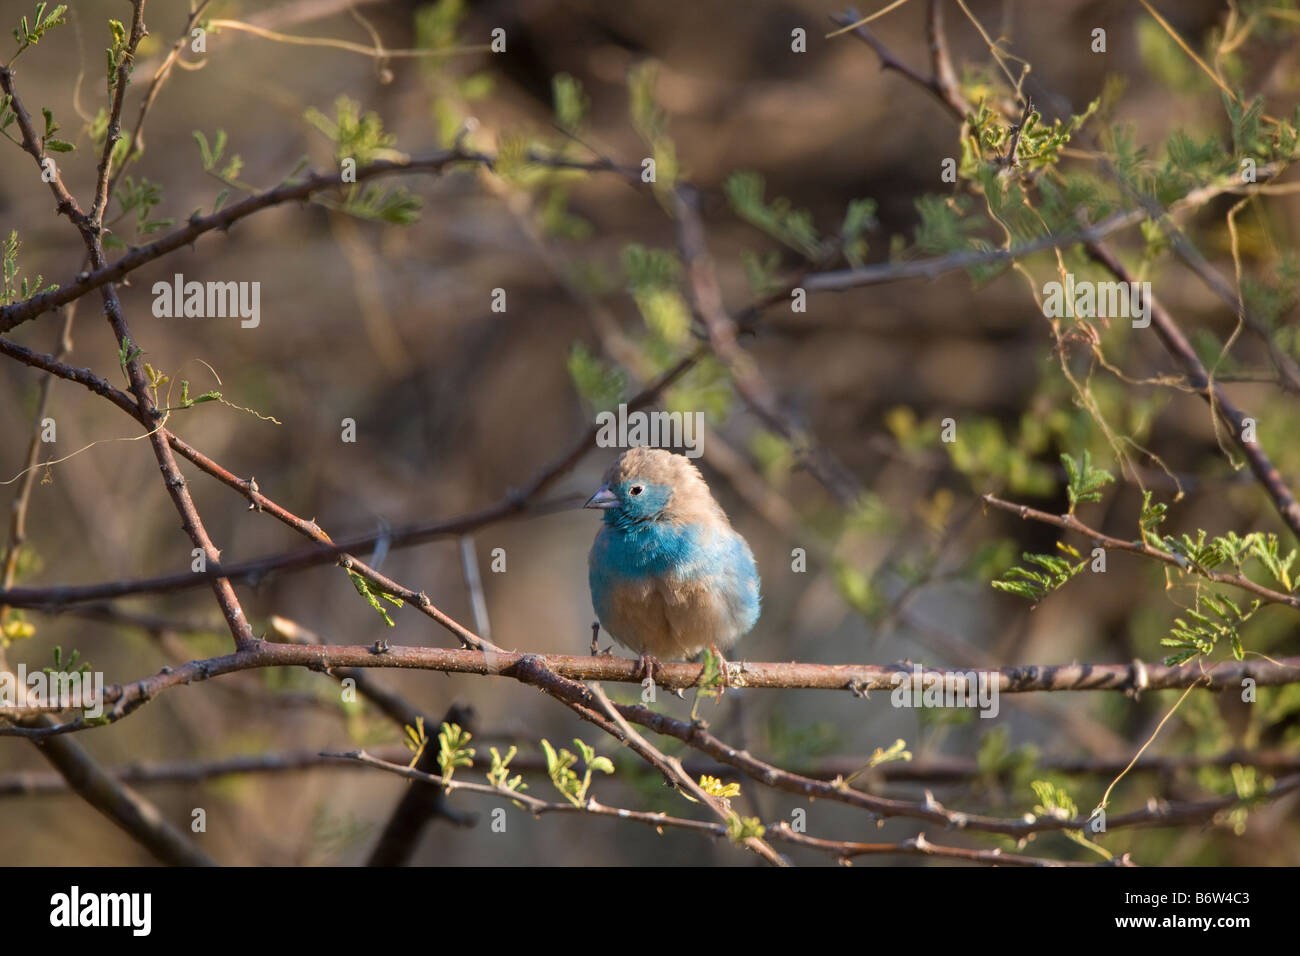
933, 770
840, 849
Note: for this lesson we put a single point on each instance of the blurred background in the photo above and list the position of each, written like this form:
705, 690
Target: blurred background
454, 404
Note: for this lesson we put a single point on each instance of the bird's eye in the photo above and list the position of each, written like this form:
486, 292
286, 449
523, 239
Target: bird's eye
636, 489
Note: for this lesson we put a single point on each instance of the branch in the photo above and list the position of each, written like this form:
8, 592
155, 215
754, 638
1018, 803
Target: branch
1069, 522
1287, 370
938, 770
16, 314
843, 850
420, 803
18, 510
1012, 158
390, 704
722, 330
155, 87
516, 502
92, 236
694, 734
25, 783
920, 846
113, 132
943, 77
556, 676
30, 142
886, 272
859, 679
1166, 328
684, 781
1177, 345
890, 62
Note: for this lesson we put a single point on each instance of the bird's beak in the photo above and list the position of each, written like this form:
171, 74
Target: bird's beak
603, 498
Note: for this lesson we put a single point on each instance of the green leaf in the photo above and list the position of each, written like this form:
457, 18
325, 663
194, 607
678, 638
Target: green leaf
415, 740
600, 384
453, 749
363, 588
711, 673
1085, 481
13, 289
859, 217
1034, 586
1153, 515
571, 104
653, 276
29, 34
356, 135
780, 220
740, 829
395, 205
648, 120
1265, 548
115, 54
1195, 553
499, 774
559, 766
1212, 619
204, 150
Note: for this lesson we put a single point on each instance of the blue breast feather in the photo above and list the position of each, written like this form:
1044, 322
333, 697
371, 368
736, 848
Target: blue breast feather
715, 556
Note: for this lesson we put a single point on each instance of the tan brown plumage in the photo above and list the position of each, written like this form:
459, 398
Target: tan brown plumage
691, 499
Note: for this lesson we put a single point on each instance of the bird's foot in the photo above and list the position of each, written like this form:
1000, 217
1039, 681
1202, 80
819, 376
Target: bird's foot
722, 666
646, 665
595, 642
710, 684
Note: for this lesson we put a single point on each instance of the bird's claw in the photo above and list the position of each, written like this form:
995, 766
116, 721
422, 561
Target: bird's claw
722, 666
646, 665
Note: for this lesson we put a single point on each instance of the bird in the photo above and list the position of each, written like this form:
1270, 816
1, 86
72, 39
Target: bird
669, 576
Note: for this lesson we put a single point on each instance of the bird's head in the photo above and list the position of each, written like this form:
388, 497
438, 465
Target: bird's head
649, 485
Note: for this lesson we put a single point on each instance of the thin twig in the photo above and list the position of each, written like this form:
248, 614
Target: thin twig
1069, 522
155, 87
937, 770
684, 780
1176, 343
